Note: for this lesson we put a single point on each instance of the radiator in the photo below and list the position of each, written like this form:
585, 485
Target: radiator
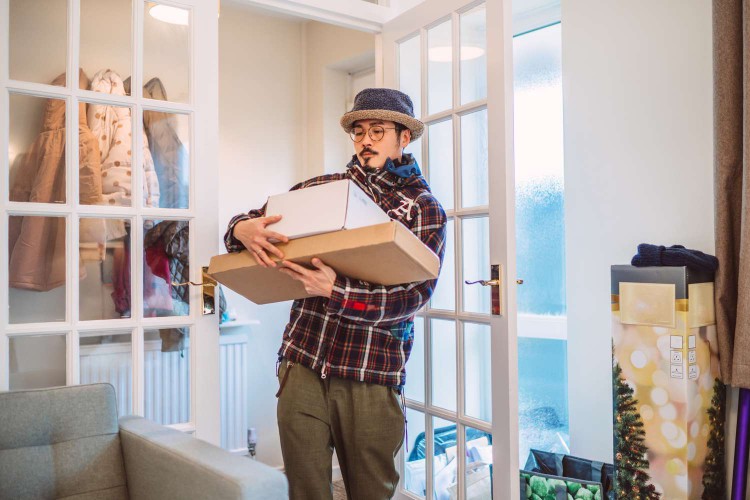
167, 383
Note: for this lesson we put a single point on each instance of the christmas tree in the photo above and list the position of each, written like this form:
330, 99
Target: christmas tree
631, 461
713, 475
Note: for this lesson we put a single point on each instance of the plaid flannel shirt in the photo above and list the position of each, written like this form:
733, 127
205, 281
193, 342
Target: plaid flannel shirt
364, 331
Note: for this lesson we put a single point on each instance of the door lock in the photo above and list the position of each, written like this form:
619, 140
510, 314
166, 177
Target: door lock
209, 291
495, 282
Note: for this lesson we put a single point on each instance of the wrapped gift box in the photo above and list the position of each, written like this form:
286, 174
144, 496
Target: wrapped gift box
665, 366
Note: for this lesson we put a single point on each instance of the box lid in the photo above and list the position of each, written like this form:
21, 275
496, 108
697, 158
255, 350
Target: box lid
323, 208
680, 276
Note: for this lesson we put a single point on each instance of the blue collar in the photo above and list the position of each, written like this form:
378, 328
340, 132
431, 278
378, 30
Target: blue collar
404, 169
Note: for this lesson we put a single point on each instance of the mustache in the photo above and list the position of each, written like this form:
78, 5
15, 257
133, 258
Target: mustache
368, 150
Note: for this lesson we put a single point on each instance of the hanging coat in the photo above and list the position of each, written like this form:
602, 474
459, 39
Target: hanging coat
37, 244
112, 126
171, 160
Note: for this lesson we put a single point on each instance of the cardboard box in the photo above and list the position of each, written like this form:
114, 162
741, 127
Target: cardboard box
665, 353
385, 254
323, 209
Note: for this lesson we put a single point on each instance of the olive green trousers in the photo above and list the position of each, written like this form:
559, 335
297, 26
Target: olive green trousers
363, 422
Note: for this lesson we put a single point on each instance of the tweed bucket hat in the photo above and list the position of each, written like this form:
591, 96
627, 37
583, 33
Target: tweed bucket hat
383, 104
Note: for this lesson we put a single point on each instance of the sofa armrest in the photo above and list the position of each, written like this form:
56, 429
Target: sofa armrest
162, 463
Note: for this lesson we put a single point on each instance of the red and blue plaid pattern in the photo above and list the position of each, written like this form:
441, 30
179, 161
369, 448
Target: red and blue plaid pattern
364, 331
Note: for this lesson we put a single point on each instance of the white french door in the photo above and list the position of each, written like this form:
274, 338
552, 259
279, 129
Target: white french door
454, 58
109, 139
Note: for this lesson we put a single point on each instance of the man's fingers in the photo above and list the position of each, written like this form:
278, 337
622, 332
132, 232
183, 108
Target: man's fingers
278, 236
295, 267
319, 264
262, 258
257, 251
271, 248
270, 219
291, 274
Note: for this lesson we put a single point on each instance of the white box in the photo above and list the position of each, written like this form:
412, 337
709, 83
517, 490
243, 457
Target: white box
322, 209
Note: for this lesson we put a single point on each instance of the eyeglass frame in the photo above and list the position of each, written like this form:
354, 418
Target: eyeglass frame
369, 133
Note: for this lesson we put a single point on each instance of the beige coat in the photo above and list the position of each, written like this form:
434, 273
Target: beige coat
37, 244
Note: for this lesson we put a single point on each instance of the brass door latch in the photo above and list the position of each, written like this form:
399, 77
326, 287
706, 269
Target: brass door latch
495, 282
208, 287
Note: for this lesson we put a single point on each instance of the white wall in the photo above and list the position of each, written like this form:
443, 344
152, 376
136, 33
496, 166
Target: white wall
637, 85
260, 117
275, 103
331, 53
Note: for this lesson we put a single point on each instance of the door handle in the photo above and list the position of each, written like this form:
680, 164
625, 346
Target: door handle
495, 281
209, 291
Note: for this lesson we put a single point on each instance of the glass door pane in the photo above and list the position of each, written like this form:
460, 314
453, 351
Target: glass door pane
105, 290
474, 54
166, 261
440, 162
37, 361
37, 269
476, 263
166, 50
38, 41
415, 470
414, 387
440, 68
477, 371
167, 375
107, 46
107, 357
443, 358
36, 149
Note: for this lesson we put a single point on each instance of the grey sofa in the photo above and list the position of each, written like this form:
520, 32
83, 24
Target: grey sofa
66, 443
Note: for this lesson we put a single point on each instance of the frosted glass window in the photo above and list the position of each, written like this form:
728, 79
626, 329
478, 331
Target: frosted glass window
540, 235
540, 242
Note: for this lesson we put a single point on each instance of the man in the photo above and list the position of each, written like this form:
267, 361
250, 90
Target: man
344, 350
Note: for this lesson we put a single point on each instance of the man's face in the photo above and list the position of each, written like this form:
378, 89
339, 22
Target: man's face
373, 153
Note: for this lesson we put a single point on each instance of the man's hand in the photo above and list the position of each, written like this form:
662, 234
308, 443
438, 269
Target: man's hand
254, 236
318, 282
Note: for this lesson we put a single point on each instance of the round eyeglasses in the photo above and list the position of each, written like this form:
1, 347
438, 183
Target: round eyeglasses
376, 133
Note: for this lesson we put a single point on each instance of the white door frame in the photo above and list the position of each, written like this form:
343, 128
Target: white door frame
202, 214
501, 211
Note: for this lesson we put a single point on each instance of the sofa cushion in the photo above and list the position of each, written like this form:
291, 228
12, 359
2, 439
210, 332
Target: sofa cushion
61, 442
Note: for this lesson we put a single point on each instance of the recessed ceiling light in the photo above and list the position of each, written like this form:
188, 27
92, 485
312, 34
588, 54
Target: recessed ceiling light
445, 54
169, 14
